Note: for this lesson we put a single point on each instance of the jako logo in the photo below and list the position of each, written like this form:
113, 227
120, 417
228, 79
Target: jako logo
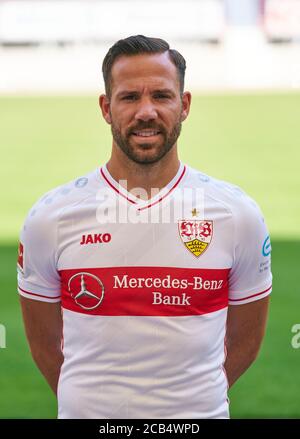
266, 250
97, 238
296, 339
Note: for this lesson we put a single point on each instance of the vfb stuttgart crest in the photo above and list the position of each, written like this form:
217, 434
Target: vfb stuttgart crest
196, 235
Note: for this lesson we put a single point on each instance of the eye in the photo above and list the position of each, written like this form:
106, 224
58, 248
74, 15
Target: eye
161, 96
129, 98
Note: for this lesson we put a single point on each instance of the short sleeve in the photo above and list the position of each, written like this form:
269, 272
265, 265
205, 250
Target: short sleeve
38, 278
250, 277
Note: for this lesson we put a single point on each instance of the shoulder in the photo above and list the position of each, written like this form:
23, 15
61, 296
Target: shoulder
45, 213
246, 215
230, 196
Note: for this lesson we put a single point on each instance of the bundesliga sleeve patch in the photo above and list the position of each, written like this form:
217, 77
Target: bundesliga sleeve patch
20, 262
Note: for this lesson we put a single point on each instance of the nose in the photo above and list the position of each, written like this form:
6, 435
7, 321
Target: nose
146, 111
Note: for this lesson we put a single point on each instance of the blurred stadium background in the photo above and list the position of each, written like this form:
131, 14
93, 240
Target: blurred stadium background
243, 67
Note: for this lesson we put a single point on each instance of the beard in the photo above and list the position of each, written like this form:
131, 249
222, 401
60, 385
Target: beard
146, 153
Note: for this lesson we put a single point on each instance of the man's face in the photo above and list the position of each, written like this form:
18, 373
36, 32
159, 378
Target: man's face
145, 109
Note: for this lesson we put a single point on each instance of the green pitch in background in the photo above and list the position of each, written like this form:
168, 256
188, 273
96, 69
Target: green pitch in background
250, 140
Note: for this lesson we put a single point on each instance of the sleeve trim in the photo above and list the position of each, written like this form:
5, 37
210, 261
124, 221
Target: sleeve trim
253, 295
39, 295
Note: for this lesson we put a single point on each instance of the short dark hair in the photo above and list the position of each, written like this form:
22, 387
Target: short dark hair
139, 44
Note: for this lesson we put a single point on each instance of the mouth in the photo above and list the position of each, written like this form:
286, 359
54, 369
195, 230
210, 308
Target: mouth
142, 134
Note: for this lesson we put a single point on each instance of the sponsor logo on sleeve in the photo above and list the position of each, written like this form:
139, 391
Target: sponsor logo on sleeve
20, 262
266, 248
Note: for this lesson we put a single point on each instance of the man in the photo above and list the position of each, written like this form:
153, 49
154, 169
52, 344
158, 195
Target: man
142, 262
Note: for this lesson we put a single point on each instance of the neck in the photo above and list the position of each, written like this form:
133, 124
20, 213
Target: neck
146, 176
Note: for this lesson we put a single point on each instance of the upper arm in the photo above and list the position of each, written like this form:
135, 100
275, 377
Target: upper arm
247, 322
38, 277
250, 277
43, 323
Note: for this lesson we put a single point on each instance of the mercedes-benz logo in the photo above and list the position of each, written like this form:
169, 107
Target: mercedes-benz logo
85, 298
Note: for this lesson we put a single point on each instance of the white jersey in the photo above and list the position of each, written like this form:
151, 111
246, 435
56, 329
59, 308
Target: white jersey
144, 288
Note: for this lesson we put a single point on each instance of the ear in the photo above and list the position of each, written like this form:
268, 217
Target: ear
186, 104
104, 104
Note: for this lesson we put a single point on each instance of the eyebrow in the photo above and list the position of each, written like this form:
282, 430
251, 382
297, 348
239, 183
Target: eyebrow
165, 90
135, 92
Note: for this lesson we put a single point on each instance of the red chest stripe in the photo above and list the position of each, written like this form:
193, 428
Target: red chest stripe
144, 291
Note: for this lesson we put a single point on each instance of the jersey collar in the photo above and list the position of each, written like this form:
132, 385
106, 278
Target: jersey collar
143, 204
